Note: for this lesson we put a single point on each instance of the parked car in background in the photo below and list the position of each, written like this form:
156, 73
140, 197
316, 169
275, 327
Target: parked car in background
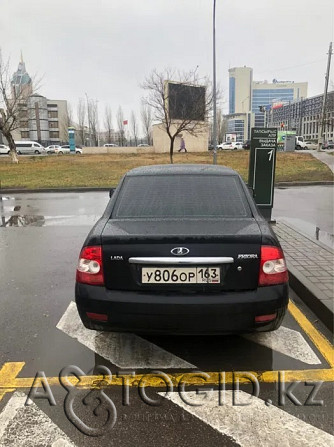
52, 148
300, 144
169, 256
66, 150
110, 145
4, 149
230, 146
238, 145
29, 147
143, 145
246, 144
328, 144
311, 145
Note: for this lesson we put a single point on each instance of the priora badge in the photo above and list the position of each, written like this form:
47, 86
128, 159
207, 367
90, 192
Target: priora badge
180, 251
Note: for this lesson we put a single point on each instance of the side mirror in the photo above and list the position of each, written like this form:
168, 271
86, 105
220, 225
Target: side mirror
111, 191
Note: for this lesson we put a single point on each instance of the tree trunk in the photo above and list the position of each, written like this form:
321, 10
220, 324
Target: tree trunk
171, 148
12, 147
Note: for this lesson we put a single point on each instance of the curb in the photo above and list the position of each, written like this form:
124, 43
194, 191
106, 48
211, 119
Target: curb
320, 304
43, 190
320, 183
104, 188
310, 295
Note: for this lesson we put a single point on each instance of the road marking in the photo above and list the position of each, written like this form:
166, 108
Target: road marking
22, 425
9, 380
288, 342
8, 373
322, 344
253, 424
122, 349
190, 379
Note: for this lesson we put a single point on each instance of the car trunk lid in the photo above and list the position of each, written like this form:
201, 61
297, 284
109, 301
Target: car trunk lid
232, 245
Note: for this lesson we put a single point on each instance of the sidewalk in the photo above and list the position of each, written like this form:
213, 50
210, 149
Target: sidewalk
311, 266
325, 157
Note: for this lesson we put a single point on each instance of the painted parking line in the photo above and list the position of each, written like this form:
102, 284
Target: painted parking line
9, 372
127, 350
251, 422
23, 425
288, 342
124, 350
321, 342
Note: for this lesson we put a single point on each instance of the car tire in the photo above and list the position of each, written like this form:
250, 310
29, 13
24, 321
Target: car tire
60, 152
37, 152
78, 152
18, 153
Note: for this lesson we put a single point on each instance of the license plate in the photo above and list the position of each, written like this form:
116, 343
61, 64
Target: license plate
180, 275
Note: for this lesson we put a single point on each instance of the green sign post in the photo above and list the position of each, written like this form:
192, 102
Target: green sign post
71, 139
262, 164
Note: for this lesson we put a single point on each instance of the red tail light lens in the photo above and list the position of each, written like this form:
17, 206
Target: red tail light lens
265, 318
273, 269
97, 317
90, 268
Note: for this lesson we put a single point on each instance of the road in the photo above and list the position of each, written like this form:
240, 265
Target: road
41, 334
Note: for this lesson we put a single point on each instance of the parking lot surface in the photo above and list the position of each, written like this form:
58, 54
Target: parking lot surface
131, 389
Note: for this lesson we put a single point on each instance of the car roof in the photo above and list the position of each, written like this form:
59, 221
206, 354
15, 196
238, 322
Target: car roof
177, 169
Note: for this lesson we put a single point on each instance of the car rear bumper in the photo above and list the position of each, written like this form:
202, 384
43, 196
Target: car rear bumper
142, 312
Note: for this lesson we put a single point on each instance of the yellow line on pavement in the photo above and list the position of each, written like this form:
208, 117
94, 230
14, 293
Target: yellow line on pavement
8, 373
189, 379
9, 381
322, 344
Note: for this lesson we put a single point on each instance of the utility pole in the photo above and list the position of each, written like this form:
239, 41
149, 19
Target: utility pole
323, 112
214, 86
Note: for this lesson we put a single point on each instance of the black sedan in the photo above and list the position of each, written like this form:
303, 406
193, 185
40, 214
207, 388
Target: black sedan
182, 249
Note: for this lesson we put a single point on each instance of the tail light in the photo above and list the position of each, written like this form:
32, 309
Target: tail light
97, 317
273, 268
265, 318
90, 268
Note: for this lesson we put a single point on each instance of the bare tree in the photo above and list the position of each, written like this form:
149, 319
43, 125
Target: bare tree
191, 116
81, 114
120, 125
146, 118
221, 125
12, 101
134, 127
93, 120
108, 124
67, 120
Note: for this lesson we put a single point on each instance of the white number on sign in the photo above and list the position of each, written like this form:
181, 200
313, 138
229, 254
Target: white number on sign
270, 153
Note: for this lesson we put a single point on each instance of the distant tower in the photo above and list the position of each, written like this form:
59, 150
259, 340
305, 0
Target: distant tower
21, 81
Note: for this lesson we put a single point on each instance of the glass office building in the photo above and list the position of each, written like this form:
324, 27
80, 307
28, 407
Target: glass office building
267, 97
246, 96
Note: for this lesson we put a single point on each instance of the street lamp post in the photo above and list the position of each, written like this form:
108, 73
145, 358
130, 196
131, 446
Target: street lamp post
214, 86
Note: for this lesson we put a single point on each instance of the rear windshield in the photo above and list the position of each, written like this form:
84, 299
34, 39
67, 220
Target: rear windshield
171, 196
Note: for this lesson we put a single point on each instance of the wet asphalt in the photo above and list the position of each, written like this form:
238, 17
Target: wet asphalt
40, 239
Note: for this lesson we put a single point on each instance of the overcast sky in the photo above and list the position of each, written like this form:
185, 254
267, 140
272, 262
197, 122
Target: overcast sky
105, 48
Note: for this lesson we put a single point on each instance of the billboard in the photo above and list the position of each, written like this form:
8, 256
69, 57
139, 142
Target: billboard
186, 102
